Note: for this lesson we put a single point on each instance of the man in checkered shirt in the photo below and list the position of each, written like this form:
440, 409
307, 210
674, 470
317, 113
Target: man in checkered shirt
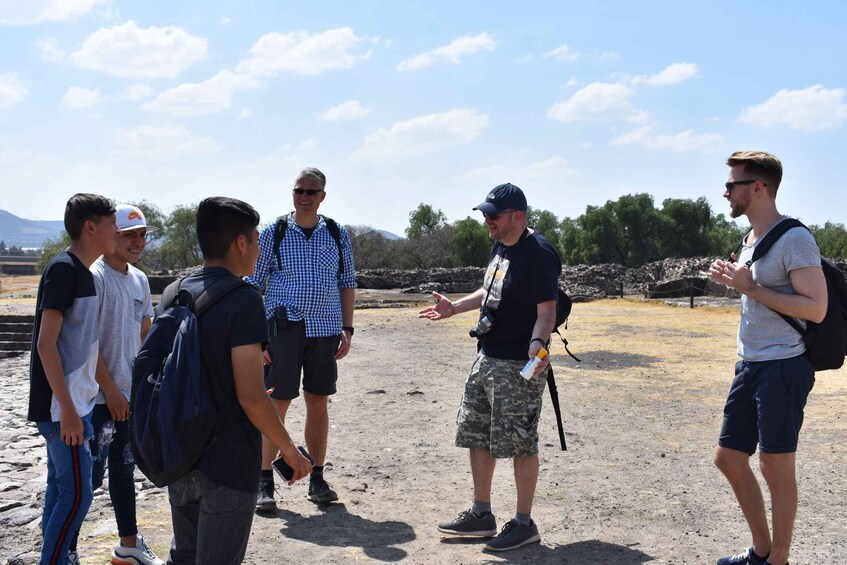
309, 303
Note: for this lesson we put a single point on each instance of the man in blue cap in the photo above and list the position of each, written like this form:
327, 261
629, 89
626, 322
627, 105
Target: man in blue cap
499, 413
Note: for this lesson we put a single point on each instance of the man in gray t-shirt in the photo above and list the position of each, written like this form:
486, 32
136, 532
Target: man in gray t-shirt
774, 376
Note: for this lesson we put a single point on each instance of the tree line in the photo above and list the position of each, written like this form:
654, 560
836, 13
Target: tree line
630, 231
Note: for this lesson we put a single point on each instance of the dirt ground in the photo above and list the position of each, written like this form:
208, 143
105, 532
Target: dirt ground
637, 484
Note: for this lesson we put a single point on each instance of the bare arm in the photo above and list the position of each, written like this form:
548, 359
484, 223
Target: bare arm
145, 327
808, 302
254, 399
443, 308
348, 302
48, 350
544, 320
115, 401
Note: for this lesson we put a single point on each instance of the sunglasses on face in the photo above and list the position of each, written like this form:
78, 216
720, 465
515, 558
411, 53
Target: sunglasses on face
494, 217
302, 191
730, 186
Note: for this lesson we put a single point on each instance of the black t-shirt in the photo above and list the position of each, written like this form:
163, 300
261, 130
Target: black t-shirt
235, 458
525, 275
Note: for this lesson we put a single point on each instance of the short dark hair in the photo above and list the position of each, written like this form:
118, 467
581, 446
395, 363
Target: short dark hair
220, 220
761, 164
83, 207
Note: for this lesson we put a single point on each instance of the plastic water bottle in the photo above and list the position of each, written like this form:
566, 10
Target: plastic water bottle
530, 366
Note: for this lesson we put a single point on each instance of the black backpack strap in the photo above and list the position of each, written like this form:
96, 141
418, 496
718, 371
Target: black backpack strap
279, 233
763, 246
335, 232
215, 292
565, 343
554, 400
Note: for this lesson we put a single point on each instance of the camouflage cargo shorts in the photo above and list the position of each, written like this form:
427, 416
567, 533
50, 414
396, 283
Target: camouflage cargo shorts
500, 409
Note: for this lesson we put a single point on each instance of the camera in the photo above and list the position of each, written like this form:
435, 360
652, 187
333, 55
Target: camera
487, 319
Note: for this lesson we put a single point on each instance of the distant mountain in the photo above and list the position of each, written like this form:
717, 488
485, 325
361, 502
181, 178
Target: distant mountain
27, 233
388, 234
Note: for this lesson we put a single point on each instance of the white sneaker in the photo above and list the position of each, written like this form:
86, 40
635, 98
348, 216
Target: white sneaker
138, 555
73, 558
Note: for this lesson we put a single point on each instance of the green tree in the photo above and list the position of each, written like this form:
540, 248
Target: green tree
831, 238
425, 220
471, 245
371, 250
640, 224
602, 237
179, 248
724, 236
685, 227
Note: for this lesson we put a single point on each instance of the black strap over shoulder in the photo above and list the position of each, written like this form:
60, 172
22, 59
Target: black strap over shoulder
282, 225
173, 294
763, 246
554, 400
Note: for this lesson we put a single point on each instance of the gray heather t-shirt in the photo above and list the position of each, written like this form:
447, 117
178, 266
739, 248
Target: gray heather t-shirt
762, 334
124, 300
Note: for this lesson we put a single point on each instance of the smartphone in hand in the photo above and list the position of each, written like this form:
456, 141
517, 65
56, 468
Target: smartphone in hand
284, 470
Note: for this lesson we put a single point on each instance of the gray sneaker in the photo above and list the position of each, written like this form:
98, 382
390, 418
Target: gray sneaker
73, 557
514, 535
746, 557
265, 501
469, 525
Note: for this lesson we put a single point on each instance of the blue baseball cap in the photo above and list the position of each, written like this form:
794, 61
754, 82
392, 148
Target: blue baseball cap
503, 197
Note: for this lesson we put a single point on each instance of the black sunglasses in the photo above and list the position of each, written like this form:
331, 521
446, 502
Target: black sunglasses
302, 191
493, 217
731, 185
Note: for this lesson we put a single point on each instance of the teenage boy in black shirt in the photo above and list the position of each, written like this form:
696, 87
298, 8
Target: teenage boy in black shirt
212, 505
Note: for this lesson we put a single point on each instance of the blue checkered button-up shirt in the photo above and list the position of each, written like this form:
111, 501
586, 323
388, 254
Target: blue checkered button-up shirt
309, 283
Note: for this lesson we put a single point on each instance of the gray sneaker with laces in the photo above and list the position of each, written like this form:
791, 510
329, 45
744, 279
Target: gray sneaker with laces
746, 557
469, 525
265, 501
514, 535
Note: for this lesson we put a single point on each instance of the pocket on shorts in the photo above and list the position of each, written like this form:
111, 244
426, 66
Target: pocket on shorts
521, 407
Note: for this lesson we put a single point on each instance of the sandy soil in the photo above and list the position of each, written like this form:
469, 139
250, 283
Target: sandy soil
637, 485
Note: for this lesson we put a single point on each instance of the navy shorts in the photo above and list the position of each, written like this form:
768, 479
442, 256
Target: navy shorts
765, 405
292, 353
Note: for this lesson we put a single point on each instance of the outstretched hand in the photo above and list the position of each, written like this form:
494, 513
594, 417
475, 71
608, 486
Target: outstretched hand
442, 308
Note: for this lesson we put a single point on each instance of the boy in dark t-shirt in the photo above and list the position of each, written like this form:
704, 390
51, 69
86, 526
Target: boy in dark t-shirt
64, 356
223, 484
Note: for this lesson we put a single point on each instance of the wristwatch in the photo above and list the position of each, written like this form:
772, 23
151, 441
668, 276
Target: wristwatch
350, 329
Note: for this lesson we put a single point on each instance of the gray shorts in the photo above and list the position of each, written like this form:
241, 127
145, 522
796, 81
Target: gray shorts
500, 409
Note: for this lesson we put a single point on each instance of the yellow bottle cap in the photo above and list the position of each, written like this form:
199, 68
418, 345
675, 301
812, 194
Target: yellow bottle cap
542, 353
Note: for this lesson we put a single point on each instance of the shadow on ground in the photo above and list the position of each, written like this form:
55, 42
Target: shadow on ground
603, 360
580, 553
338, 527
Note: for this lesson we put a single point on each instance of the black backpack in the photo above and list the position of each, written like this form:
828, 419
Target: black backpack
282, 225
826, 342
173, 414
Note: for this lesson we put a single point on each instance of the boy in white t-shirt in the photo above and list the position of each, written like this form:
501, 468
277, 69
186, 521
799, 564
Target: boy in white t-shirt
126, 311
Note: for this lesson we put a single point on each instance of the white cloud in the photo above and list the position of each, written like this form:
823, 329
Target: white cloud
302, 52
609, 56
596, 100
13, 89
421, 135
24, 12
682, 142
226, 20
572, 82
77, 98
128, 51
201, 98
245, 113
307, 144
563, 53
164, 142
547, 171
346, 111
465, 45
49, 49
810, 110
137, 92
672, 74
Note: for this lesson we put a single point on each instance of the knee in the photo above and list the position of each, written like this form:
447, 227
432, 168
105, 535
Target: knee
316, 404
731, 462
777, 468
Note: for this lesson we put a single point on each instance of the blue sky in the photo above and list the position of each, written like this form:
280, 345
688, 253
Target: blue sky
408, 102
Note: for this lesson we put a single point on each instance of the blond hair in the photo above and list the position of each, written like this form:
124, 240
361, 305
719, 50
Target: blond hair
761, 164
